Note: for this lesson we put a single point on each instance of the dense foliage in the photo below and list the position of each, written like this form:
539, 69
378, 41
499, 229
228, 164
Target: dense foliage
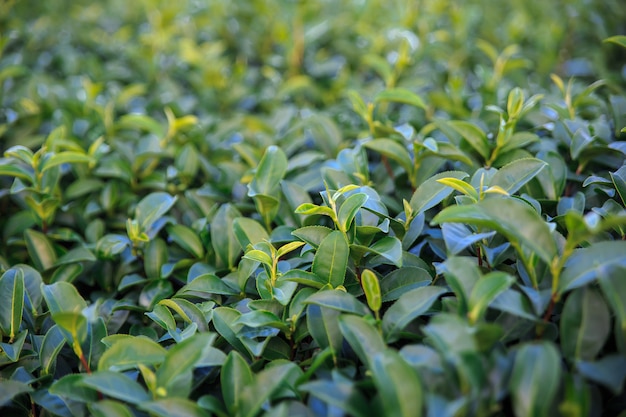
323, 208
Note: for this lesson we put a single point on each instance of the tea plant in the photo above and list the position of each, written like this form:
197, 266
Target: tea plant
325, 208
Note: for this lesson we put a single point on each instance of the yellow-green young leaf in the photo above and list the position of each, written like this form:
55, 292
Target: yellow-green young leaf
140, 122
399, 387
392, 150
400, 95
617, 39
461, 186
357, 104
12, 304
535, 379
131, 352
431, 192
187, 311
512, 218
21, 153
371, 287
74, 323
309, 208
288, 247
259, 256
331, 259
17, 171
515, 102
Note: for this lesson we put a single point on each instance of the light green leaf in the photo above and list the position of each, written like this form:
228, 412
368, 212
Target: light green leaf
338, 300
263, 386
62, 297
617, 39
485, 291
514, 175
588, 263
269, 173
389, 248
40, 249
249, 232
371, 288
331, 259
205, 286
535, 380
408, 307
223, 236
67, 157
514, 219
473, 135
313, 235
187, 239
116, 385
74, 323
431, 192
363, 337
349, 209
400, 95
129, 352
109, 408
400, 389
152, 207
179, 407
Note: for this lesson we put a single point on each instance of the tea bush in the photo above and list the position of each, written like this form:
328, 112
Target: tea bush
332, 208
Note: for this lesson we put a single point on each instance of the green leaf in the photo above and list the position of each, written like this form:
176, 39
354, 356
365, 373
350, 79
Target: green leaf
269, 173
431, 192
151, 208
614, 289
235, 375
62, 297
392, 150
407, 308
617, 39
129, 352
223, 236
40, 249
485, 291
371, 288
67, 157
263, 386
179, 407
585, 324
473, 135
17, 171
516, 174
331, 259
51, 346
338, 300
249, 232
586, 264
462, 274
389, 248
71, 386
514, 219
400, 389
109, 408
349, 209
12, 294
535, 380
116, 385
363, 337
608, 371
619, 181
400, 95
259, 256
181, 359
187, 239
74, 323
205, 286
313, 235
340, 393
10, 389
155, 256
402, 280
323, 325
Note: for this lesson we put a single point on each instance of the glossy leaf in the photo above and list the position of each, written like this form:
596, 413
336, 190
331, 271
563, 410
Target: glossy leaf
473, 135
516, 174
338, 300
129, 352
400, 95
187, 239
62, 297
116, 385
586, 264
392, 150
516, 220
400, 389
12, 292
431, 192
364, 339
349, 209
331, 259
152, 207
485, 291
40, 249
407, 308
167, 407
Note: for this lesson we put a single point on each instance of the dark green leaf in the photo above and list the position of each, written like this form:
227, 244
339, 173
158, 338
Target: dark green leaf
399, 387
338, 300
331, 260
151, 208
363, 337
587, 264
12, 294
409, 306
40, 249
514, 175
129, 352
235, 375
187, 239
179, 407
